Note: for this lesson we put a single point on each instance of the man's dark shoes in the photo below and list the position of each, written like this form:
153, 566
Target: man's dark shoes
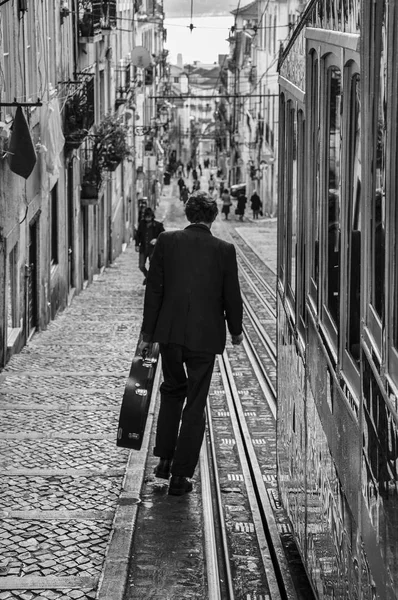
162, 469
179, 485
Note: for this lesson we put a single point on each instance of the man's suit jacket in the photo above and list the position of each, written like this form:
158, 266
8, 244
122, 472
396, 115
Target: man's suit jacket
192, 288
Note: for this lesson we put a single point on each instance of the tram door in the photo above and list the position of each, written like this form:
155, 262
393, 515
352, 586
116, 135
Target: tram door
32, 278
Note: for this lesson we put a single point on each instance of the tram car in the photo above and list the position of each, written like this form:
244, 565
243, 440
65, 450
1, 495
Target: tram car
337, 295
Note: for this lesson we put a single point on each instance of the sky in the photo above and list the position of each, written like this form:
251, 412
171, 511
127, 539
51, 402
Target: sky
182, 8
204, 44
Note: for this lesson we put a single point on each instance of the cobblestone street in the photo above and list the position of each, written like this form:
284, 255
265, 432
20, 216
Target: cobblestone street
61, 472
68, 495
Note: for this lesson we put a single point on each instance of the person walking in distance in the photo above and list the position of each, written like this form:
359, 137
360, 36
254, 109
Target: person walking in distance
255, 204
145, 239
226, 202
192, 290
241, 206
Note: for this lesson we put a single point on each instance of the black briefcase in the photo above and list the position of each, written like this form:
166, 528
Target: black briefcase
136, 400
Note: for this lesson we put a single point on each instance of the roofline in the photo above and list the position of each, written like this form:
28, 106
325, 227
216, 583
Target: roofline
237, 11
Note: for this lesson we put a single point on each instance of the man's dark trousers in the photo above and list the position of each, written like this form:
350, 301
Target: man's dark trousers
183, 446
143, 256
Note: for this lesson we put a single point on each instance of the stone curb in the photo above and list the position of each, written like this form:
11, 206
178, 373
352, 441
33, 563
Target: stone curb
114, 575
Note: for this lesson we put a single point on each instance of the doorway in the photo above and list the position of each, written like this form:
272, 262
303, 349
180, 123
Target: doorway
32, 287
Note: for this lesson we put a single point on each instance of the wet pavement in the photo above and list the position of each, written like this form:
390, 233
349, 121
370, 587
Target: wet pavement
68, 495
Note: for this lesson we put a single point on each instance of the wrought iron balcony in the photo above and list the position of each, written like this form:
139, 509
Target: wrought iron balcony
79, 111
95, 17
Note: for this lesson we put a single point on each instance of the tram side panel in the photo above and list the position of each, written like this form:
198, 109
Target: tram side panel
308, 428
291, 427
333, 479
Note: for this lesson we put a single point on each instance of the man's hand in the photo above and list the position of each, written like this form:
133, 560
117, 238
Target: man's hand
237, 339
153, 242
144, 348
137, 248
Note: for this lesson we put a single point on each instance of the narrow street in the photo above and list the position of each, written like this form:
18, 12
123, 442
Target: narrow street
68, 495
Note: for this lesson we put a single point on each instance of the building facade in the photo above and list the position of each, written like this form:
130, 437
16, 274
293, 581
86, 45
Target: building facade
68, 84
261, 30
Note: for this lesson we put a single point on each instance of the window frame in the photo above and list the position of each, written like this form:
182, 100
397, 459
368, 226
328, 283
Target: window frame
391, 206
301, 287
349, 203
329, 61
7, 91
313, 148
291, 199
31, 91
55, 230
281, 179
12, 286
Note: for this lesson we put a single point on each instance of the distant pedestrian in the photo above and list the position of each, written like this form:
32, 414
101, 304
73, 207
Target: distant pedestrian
194, 174
184, 194
212, 184
255, 204
241, 206
226, 203
192, 293
196, 185
145, 239
181, 184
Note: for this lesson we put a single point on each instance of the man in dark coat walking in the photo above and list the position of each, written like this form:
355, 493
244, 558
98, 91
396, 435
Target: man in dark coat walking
145, 239
255, 201
192, 290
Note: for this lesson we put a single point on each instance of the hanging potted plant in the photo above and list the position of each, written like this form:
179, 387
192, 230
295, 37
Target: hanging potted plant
110, 147
111, 143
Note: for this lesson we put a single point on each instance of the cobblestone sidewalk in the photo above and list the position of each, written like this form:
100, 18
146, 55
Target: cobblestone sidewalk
61, 472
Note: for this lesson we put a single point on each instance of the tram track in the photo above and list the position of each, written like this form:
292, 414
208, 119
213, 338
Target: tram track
244, 528
271, 560
260, 358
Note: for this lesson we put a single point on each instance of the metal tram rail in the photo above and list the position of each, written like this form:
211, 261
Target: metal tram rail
221, 583
266, 294
220, 577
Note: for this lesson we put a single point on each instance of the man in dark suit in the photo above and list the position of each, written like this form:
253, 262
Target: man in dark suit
192, 289
145, 238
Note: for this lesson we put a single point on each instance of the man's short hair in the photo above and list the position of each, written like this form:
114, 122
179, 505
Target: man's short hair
201, 208
148, 212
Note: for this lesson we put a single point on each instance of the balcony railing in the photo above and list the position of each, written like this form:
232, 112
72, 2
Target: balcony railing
79, 113
90, 14
95, 16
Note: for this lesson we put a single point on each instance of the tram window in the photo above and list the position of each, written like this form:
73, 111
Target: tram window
291, 145
333, 191
300, 216
315, 166
281, 208
378, 212
354, 195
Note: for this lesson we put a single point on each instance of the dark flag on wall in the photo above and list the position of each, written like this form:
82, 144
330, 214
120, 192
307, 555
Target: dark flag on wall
21, 149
